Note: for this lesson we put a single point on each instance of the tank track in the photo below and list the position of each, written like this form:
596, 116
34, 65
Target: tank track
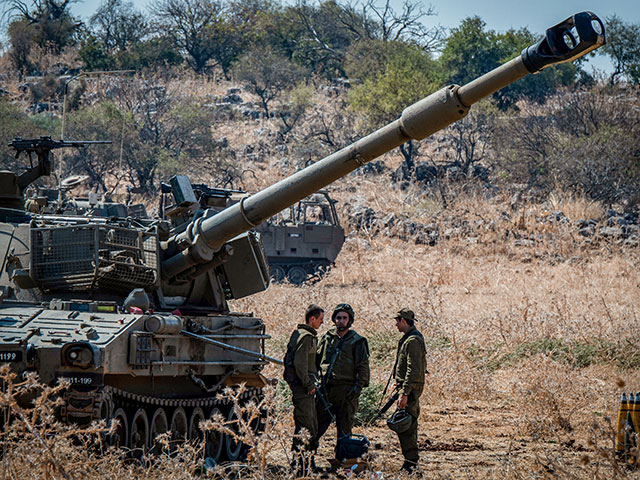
85, 407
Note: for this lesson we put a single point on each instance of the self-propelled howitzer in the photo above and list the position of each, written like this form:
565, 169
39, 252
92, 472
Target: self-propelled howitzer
134, 313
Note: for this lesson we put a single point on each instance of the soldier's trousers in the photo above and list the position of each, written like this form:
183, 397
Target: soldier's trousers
304, 417
409, 439
343, 409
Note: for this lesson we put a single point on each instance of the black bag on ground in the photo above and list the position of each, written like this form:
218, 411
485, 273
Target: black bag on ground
351, 446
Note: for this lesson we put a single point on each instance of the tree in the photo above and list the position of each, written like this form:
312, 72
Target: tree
297, 102
54, 27
408, 74
16, 123
471, 51
407, 25
623, 48
118, 25
102, 121
585, 142
466, 142
326, 31
21, 34
46, 24
192, 24
404, 75
244, 25
267, 74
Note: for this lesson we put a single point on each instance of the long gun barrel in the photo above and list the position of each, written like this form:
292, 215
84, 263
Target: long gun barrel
570, 39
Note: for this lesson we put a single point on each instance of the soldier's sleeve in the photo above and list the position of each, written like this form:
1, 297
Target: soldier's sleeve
301, 361
322, 347
415, 365
361, 353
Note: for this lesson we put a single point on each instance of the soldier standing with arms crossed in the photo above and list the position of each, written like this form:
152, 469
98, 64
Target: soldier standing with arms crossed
409, 372
343, 357
299, 372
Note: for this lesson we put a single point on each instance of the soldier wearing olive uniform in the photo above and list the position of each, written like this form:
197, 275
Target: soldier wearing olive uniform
349, 374
299, 372
409, 373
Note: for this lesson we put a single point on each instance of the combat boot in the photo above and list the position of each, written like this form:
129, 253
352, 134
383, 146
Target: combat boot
410, 467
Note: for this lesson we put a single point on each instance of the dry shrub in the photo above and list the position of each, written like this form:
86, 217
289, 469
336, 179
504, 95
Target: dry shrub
574, 206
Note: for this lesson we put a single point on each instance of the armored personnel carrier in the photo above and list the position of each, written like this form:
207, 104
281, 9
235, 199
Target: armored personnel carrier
134, 313
303, 241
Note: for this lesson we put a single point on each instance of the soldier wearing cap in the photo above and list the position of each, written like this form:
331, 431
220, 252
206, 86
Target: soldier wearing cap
299, 372
343, 359
409, 373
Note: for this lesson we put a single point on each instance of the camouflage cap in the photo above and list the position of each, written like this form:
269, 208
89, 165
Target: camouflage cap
406, 313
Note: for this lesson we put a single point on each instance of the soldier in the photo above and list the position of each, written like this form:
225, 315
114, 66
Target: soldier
343, 357
299, 372
409, 372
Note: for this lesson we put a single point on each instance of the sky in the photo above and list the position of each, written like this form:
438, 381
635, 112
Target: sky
499, 15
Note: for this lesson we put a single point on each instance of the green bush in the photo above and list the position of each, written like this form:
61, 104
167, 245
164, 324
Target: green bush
370, 400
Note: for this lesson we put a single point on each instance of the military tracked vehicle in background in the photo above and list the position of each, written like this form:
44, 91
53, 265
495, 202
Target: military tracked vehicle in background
303, 241
134, 313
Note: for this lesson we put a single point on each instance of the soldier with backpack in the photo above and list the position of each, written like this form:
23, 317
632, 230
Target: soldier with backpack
299, 372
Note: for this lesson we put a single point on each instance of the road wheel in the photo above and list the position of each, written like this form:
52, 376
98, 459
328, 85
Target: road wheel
195, 433
277, 274
232, 447
179, 427
139, 436
215, 439
159, 424
120, 438
296, 275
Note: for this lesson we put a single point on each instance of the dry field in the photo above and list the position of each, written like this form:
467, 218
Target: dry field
526, 357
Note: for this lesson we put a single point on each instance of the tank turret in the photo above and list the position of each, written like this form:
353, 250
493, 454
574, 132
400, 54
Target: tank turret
133, 312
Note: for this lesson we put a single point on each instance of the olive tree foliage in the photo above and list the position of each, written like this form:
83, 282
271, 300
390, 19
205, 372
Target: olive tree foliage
623, 49
118, 25
46, 24
267, 74
191, 24
587, 141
